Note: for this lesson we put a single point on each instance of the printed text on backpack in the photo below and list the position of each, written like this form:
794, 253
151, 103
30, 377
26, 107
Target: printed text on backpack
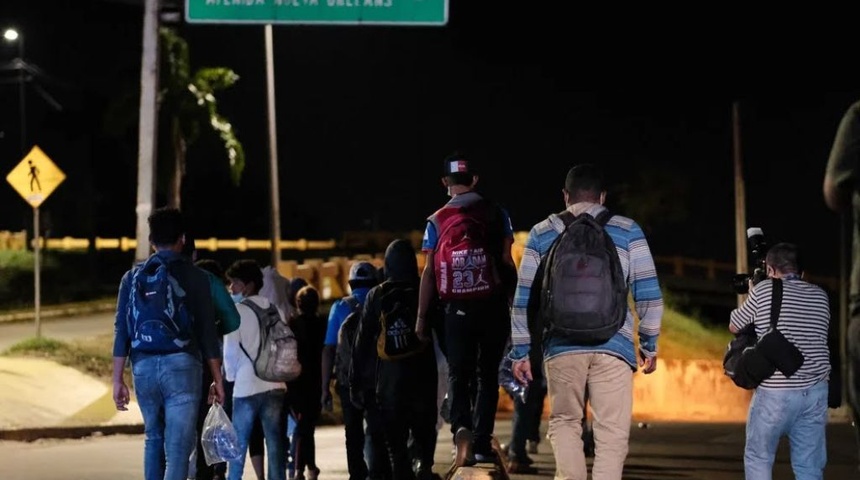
584, 292
464, 260
397, 338
159, 320
277, 358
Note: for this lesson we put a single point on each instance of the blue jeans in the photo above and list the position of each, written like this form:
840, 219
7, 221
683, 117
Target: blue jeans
269, 407
802, 415
168, 390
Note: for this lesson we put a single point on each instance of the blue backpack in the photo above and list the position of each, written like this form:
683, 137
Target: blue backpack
159, 321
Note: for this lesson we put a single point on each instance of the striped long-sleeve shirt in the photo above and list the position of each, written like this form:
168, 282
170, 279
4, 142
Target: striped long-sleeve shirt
638, 266
804, 319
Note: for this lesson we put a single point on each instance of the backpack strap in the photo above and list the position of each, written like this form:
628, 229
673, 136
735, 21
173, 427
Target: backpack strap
567, 217
258, 311
603, 217
775, 302
352, 302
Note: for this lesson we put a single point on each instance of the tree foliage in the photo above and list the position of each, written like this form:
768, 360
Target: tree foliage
187, 100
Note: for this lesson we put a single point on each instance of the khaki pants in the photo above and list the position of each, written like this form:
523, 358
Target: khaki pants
610, 394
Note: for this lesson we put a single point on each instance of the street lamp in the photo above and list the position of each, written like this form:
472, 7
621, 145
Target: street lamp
12, 36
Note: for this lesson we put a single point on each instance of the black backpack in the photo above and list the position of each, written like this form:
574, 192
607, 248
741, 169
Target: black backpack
346, 341
584, 292
398, 309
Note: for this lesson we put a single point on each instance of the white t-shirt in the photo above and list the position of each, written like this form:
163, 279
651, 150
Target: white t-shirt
238, 367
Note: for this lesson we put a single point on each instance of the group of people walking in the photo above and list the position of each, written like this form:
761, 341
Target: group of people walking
173, 389
578, 316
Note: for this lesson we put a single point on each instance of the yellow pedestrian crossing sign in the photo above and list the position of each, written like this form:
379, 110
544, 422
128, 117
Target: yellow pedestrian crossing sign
35, 177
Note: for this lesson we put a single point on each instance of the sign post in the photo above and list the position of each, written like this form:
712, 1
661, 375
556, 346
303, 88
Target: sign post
35, 178
308, 12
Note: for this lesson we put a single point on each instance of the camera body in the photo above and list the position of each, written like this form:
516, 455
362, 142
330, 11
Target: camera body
758, 247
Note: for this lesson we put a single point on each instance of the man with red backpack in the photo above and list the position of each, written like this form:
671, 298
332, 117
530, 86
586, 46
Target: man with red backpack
470, 271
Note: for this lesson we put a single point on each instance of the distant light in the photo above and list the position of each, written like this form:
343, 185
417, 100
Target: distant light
11, 34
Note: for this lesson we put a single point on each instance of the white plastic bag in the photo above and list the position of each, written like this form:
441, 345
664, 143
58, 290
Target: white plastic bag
219, 439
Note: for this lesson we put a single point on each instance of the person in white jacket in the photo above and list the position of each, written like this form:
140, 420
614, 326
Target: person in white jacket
253, 398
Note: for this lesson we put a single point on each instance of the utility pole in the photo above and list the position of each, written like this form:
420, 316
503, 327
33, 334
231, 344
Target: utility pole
740, 196
148, 129
274, 191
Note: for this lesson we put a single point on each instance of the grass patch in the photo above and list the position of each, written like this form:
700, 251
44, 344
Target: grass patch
93, 356
684, 338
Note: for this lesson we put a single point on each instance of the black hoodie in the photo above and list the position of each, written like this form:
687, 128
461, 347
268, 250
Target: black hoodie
394, 380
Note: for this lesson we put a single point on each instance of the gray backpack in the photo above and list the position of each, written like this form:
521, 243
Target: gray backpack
584, 292
277, 358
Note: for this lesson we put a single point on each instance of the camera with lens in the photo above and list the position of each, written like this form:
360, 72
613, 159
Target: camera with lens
758, 249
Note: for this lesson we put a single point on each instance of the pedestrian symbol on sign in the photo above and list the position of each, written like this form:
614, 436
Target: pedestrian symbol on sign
34, 176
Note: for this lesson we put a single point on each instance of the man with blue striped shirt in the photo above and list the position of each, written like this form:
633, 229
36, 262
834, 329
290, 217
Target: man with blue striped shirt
606, 369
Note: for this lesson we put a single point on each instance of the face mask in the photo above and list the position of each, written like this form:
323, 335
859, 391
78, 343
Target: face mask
237, 297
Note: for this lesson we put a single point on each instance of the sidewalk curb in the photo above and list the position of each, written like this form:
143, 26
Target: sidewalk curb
33, 434
58, 311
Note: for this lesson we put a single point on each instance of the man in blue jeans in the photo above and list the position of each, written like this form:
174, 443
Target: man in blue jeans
794, 406
167, 383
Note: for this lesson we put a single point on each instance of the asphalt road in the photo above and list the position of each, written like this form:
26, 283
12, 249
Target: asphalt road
60, 328
670, 451
663, 451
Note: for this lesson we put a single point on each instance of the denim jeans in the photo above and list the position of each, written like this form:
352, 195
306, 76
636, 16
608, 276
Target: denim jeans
269, 407
168, 390
799, 413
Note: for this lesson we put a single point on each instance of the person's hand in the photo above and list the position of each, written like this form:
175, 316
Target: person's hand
522, 370
121, 396
420, 329
216, 392
325, 400
648, 364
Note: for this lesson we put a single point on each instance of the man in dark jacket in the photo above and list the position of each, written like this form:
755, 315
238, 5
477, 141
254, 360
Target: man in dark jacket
405, 383
167, 383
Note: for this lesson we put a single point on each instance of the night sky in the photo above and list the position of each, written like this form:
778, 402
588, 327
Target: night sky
367, 113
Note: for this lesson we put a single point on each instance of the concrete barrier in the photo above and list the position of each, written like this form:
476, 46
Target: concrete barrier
680, 390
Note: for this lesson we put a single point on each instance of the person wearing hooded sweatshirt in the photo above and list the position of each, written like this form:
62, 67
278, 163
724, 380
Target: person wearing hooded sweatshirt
405, 388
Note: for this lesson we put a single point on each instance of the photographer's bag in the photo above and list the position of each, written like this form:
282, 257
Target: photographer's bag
749, 360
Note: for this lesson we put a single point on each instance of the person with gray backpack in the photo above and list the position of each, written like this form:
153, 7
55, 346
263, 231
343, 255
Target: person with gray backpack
578, 267
259, 369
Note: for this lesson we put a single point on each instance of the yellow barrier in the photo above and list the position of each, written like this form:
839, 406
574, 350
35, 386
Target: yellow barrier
13, 240
17, 241
309, 270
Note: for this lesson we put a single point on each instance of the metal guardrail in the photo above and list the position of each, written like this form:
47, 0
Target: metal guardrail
677, 266
685, 267
18, 241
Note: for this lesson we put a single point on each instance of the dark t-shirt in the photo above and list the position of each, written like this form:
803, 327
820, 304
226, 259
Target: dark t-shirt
310, 330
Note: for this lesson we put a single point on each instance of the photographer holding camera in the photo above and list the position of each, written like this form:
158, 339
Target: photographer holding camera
794, 405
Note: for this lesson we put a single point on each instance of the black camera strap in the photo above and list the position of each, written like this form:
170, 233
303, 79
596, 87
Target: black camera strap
775, 302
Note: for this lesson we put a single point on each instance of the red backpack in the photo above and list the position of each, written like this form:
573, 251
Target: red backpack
467, 251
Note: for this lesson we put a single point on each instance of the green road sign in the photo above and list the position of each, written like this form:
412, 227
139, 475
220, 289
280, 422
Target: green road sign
319, 12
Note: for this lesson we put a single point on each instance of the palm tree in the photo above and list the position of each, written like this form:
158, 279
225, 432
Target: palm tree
186, 100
